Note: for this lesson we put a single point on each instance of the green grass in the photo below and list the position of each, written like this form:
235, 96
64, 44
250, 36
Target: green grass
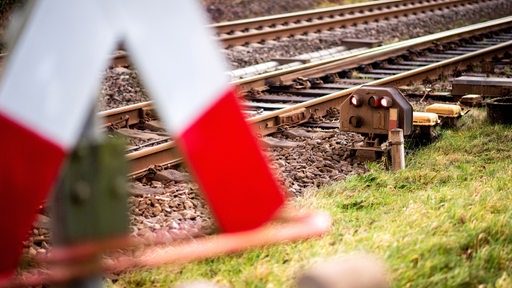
445, 221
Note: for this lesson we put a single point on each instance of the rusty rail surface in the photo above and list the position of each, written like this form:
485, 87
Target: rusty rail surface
333, 94
300, 23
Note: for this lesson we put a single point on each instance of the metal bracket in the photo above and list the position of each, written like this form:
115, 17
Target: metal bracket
90, 201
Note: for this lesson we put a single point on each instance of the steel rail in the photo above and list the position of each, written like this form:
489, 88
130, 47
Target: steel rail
286, 25
166, 154
258, 22
126, 116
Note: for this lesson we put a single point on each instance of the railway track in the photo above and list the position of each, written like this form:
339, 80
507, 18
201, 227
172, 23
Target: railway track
314, 90
288, 25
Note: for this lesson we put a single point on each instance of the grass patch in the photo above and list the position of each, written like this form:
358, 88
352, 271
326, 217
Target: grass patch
445, 221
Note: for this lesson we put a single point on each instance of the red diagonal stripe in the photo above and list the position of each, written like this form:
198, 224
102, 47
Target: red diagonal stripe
29, 166
230, 167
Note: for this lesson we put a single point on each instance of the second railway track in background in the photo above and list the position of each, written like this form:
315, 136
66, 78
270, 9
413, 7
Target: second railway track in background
315, 90
299, 23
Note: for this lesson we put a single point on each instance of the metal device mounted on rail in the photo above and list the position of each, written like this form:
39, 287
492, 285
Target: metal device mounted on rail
373, 111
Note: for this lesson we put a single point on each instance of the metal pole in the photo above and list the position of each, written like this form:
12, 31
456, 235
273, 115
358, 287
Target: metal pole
90, 200
396, 138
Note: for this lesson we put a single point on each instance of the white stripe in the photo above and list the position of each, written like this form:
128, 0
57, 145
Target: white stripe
179, 60
53, 73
